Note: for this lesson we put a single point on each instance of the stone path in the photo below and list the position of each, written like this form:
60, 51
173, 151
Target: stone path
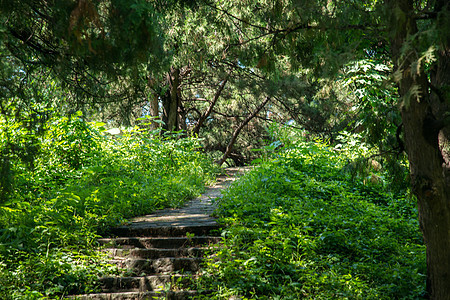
161, 253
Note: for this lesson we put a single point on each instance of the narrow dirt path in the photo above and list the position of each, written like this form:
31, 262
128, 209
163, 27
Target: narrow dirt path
161, 253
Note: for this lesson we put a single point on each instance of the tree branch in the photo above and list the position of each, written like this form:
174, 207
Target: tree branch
238, 130
206, 114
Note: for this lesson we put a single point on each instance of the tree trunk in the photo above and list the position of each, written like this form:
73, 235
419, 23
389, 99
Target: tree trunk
172, 115
424, 138
153, 107
437, 234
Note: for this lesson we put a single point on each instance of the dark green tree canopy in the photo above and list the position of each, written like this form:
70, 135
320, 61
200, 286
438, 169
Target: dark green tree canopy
224, 68
90, 46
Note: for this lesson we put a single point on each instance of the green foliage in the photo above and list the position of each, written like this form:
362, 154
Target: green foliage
18, 142
364, 84
324, 64
84, 181
300, 227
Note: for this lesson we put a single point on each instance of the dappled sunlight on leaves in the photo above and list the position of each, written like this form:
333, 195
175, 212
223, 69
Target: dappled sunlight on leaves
85, 181
299, 226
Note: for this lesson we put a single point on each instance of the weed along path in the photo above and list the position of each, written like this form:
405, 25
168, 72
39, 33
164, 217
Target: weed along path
161, 253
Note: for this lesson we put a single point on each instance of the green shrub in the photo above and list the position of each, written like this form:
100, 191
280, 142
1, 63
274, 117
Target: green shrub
82, 182
300, 227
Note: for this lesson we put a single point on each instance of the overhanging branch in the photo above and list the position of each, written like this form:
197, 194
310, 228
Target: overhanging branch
206, 114
238, 130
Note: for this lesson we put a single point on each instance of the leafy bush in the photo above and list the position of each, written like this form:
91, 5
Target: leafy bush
300, 227
82, 182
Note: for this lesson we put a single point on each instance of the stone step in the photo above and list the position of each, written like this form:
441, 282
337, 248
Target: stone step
154, 253
158, 242
155, 249
152, 230
163, 265
168, 295
146, 283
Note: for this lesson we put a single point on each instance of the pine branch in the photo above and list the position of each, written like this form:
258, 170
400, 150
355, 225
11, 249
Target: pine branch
238, 130
206, 114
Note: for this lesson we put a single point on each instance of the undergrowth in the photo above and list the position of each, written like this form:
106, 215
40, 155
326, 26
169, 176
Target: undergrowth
81, 182
300, 226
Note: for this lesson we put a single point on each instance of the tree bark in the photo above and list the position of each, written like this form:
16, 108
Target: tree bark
424, 137
172, 102
153, 107
238, 130
173, 106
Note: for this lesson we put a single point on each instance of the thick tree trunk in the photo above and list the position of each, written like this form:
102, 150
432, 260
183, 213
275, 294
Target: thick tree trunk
438, 204
430, 183
424, 140
173, 114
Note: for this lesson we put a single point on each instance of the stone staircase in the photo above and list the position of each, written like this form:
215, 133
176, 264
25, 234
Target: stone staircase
162, 253
158, 261
157, 266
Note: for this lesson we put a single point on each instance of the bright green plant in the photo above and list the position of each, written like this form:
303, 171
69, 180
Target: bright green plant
83, 182
300, 227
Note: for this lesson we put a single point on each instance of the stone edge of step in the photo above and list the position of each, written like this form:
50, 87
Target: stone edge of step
162, 231
146, 283
140, 295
